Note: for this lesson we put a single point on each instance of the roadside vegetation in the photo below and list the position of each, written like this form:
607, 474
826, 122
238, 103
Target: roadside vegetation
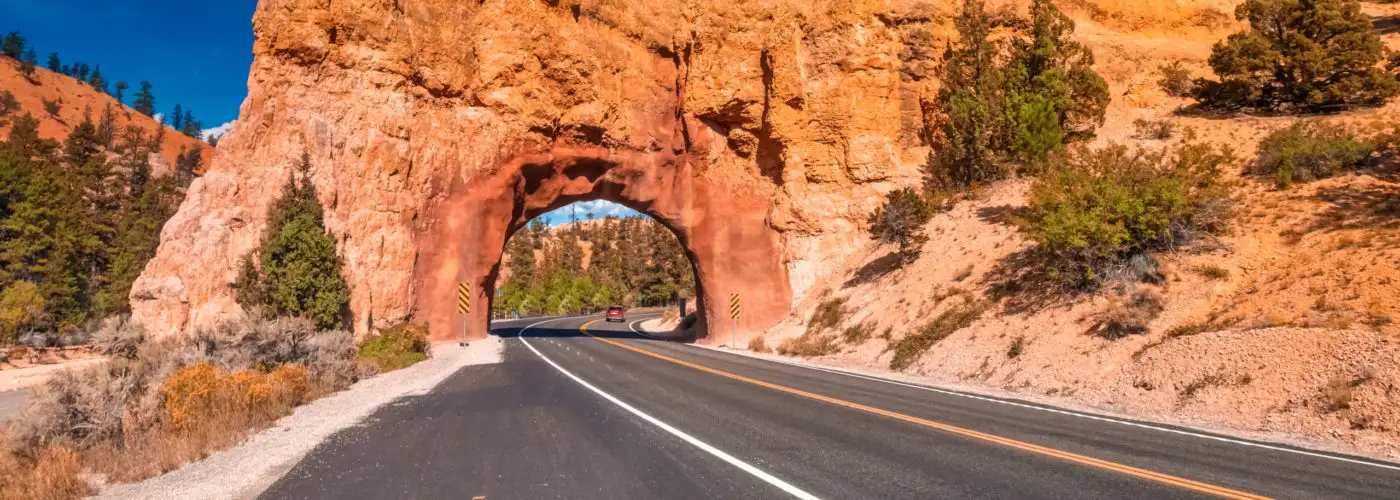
914, 344
630, 261
1321, 55
1312, 150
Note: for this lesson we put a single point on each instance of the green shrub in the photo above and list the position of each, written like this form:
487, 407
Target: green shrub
1100, 207
1315, 55
1017, 346
1176, 80
901, 221
396, 347
915, 344
1308, 151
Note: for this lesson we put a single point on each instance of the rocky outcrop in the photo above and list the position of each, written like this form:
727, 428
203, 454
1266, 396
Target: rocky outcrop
761, 132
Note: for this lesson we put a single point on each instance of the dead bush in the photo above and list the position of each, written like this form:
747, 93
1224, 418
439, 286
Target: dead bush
829, 313
1338, 393
809, 344
1176, 80
858, 333
55, 473
759, 344
1131, 315
118, 337
1157, 130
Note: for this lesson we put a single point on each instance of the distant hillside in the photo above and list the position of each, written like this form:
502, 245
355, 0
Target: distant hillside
74, 100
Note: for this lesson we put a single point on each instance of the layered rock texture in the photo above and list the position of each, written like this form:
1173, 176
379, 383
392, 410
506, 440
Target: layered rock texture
761, 132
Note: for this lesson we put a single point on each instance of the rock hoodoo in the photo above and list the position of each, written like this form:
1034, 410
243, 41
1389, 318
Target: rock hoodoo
762, 133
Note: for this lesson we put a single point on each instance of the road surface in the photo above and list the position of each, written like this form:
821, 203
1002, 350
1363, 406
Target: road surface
585, 409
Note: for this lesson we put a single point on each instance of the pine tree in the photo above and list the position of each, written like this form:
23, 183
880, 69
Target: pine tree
27, 65
55, 65
1053, 94
191, 125
177, 118
300, 268
96, 81
81, 71
145, 102
12, 45
971, 97
1311, 55
121, 91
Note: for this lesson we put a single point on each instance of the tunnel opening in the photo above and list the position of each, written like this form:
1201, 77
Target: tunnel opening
591, 255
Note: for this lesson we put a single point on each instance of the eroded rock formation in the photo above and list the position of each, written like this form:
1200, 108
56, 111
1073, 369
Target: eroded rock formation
762, 132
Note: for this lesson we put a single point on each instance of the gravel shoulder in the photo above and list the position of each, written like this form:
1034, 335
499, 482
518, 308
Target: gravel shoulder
246, 470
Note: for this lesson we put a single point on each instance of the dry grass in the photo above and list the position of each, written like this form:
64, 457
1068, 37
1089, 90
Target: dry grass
809, 345
828, 315
1131, 315
1212, 272
159, 404
858, 333
759, 344
912, 346
1337, 392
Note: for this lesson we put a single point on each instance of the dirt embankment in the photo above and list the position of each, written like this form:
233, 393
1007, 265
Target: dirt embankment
1283, 329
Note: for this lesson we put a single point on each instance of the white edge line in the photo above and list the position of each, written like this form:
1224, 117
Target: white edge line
1066, 412
744, 466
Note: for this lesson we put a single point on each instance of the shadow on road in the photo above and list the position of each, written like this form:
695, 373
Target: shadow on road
538, 332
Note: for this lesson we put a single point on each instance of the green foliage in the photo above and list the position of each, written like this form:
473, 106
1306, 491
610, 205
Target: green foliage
1101, 207
1043, 96
55, 65
1305, 54
1017, 346
145, 102
1176, 80
1308, 151
399, 346
913, 346
52, 107
901, 221
12, 45
21, 307
632, 261
70, 228
97, 82
299, 275
27, 65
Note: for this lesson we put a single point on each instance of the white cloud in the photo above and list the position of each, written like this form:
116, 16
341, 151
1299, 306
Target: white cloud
583, 209
218, 131
159, 118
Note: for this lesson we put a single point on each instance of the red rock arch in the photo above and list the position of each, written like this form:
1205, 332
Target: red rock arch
724, 229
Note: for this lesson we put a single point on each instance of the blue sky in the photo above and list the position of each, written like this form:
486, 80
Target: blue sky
194, 52
599, 209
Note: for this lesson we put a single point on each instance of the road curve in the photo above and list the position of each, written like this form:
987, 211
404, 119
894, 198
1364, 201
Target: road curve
585, 409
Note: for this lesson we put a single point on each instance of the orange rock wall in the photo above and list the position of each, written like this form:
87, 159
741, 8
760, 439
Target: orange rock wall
762, 132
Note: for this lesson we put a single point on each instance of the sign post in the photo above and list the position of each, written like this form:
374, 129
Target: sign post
733, 315
464, 306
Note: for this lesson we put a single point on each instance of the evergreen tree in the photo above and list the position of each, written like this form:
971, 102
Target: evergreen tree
121, 91
1052, 91
971, 97
54, 64
67, 70
300, 268
1308, 54
81, 71
12, 45
27, 65
145, 102
96, 81
186, 164
191, 126
177, 118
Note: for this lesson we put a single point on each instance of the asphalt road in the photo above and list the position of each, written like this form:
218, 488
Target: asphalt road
610, 414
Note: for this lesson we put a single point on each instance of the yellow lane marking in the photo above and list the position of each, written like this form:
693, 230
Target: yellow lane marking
1020, 445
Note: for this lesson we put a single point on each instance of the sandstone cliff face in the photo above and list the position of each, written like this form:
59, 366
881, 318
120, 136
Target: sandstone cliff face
761, 132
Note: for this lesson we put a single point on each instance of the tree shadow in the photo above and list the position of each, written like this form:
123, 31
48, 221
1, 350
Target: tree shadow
1019, 282
1372, 207
876, 269
1004, 214
546, 333
1386, 25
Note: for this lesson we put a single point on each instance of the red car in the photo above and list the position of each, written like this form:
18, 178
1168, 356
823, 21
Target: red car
615, 314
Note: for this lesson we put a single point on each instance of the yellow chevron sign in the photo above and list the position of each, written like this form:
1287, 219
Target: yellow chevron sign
464, 299
734, 306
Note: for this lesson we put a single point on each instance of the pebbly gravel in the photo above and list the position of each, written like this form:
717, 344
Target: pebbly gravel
246, 470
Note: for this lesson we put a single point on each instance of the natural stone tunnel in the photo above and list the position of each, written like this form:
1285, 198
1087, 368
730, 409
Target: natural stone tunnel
731, 246
762, 133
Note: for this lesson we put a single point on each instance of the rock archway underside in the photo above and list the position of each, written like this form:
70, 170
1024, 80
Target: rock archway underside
762, 133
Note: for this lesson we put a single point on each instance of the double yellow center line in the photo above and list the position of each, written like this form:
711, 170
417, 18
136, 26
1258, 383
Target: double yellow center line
1020, 445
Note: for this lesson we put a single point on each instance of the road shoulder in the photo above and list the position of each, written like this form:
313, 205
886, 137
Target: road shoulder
255, 464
